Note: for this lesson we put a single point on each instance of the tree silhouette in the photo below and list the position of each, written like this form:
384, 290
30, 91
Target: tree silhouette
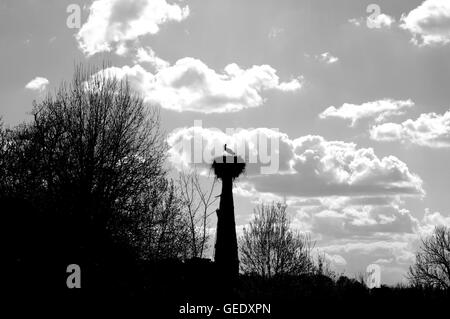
97, 137
157, 226
85, 182
269, 247
432, 265
197, 201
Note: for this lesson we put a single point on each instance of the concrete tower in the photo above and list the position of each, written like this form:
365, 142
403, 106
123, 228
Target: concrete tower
227, 168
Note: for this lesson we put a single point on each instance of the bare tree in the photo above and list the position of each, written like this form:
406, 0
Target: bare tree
323, 266
19, 165
432, 265
94, 156
198, 203
157, 225
3, 157
270, 247
98, 137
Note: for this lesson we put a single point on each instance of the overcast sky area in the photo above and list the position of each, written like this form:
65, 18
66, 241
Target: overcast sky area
358, 100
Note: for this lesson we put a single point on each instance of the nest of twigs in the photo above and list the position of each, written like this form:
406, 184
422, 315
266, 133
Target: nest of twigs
228, 166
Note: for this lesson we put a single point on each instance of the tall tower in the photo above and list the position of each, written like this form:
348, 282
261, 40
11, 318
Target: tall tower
227, 168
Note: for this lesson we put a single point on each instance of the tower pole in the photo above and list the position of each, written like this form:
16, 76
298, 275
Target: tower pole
226, 249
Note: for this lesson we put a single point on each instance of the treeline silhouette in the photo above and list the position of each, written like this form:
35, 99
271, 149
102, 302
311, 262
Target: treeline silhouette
85, 183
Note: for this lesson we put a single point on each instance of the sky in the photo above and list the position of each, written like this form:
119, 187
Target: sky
354, 94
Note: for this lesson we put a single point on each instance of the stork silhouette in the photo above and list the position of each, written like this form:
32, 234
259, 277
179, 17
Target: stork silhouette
228, 150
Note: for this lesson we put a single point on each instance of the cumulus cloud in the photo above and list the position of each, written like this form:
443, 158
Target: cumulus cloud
374, 21
429, 23
327, 168
190, 85
381, 233
337, 260
334, 259
347, 197
113, 22
384, 261
147, 55
37, 84
352, 223
363, 221
327, 58
378, 110
400, 251
380, 21
362, 217
393, 255
430, 129
356, 22
431, 220
259, 147
342, 194
311, 166
387, 234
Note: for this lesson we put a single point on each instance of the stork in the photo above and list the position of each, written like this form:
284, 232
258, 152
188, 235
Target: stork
228, 150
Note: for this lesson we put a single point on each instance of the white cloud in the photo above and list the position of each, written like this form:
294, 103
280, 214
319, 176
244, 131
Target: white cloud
386, 233
121, 49
356, 22
354, 216
113, 22
431, 220
342, 195
384, 261
347, 197
327, 168
37, 84
247, 143
311, 166
374, 21
148, 56
364, 234
335, 259
379, 110
327, 58
400, 251
190, 85
435, 219
380, 21
362, 221
430, 129
429, 23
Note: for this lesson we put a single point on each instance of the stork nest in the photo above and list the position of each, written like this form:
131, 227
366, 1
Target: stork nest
228, 166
